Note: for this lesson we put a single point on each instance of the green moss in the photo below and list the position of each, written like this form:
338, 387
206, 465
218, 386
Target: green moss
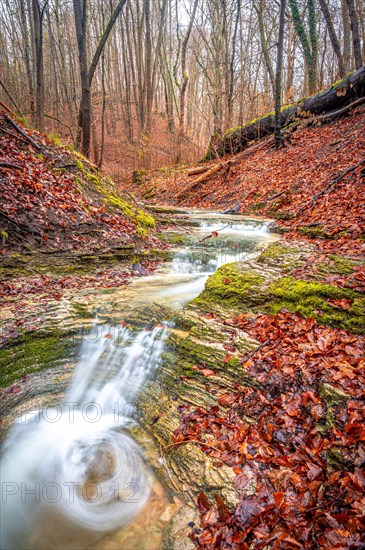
312, 232
94, 178
336, 84
55, 138
137, 176
258, 205
335, 460
280, 215
311, 299
330, 395
229, 286
342, 266
32, 353
81, 310
144, 220
142, 232
173, 238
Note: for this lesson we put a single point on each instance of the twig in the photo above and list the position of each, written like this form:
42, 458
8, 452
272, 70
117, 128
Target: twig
131, 197
244, 360
211, 235
21, 132
275, 196
13, 135
2, 84
6, 108
331, 184
10, 165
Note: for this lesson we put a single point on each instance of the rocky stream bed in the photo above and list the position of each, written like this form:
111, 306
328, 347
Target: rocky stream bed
201, 357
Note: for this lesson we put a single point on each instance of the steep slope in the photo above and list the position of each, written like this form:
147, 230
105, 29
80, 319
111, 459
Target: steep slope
306, 186
54, 199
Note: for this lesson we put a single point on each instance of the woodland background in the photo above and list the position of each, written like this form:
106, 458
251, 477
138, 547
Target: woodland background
156, 78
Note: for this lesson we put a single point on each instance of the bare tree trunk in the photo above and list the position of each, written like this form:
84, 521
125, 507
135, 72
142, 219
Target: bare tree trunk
185, 79
38, 13
355, 33
264, 45
333, 37
231, 65
310, 47
289, 90
148, 82
25, 36
346, 35
102, 142
279, 69
80, 24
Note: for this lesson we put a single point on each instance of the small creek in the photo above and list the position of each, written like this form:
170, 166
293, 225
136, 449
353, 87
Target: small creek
72, 475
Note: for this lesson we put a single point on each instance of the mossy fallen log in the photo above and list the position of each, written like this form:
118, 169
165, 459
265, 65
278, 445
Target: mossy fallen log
340, 94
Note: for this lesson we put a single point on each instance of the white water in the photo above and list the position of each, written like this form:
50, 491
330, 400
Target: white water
87, 474
75, 465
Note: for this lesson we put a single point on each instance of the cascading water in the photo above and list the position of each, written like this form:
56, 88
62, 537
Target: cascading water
70, 474
75, 466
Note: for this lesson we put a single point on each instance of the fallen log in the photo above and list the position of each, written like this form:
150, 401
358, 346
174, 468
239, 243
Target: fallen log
344, 110
21, 132
211, 171
337, 96
196, 170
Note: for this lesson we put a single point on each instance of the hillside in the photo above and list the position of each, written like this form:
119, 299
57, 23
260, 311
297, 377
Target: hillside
62, 224
305, 186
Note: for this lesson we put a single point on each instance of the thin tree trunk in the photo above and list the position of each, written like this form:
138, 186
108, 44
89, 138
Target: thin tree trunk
38, 13
346, 35
333, 37
25, 36
85, 118
185, 79
264, 46
279, 68
355, 33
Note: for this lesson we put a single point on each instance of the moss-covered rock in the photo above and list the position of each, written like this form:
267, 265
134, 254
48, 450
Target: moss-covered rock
230, 285
34, 352
265, 286
313, 299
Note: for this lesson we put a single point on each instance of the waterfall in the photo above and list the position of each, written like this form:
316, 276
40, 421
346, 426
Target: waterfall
74, 465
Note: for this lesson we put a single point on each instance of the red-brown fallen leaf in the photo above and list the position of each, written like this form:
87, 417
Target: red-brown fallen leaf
356, 431
227, 399
227, 281
279, 499
342, 304
223, 510
210, 517
314, 471
317, 412
203, 502
288, 454
292, 407
208, 372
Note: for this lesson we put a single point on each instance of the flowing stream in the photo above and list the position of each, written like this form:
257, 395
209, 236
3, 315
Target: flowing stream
73, 473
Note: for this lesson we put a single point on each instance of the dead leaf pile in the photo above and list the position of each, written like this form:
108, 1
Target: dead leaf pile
296, 441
